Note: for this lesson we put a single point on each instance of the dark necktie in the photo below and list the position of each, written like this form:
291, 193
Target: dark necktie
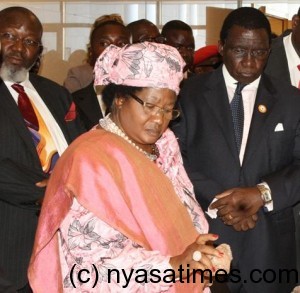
237, 110
25, 107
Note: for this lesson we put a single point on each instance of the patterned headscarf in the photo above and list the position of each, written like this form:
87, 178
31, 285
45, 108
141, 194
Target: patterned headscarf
141, 65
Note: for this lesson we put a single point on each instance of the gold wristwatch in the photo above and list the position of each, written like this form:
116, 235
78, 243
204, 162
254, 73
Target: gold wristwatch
265, 193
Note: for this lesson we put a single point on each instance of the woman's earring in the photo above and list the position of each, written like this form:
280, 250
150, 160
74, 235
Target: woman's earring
120, 103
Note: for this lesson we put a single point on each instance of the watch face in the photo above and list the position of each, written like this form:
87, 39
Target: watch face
267, 196
265, 193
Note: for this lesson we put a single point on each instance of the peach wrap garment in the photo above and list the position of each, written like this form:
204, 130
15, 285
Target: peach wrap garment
122, 187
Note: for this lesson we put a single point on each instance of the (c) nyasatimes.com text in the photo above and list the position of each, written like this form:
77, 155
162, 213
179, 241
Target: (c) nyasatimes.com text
123, 277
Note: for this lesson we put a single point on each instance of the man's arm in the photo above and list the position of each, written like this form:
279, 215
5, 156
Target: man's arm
18, 184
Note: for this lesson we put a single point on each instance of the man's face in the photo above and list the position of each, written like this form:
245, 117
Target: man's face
20, 42
245, 53
184, 42
296, 33
107, 35
146, 32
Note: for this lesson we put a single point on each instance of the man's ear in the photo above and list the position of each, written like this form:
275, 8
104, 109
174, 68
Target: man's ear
220, 47
41, 49
295, 21
90, 56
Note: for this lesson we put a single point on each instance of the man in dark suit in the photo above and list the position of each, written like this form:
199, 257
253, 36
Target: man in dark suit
284, 63
30, 145
239, 136
285, 54
107, 30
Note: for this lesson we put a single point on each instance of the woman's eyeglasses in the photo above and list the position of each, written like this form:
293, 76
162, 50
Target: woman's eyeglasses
151, 109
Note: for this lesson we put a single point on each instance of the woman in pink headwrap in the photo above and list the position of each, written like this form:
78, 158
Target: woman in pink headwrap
120, 212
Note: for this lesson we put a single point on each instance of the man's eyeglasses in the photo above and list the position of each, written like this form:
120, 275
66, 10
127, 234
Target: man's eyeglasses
158, 39
151, 109
107, 43
255, 53
27, 42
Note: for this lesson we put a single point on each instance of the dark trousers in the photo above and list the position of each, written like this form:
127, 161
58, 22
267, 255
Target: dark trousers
297, 225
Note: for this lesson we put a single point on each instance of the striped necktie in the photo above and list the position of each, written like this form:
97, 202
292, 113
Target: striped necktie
25, 107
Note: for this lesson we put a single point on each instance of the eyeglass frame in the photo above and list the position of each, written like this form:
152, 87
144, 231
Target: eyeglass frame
159, 39
160, 109
27, 42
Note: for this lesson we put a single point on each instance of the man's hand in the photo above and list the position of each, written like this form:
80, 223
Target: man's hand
246, 224
41, 184
237, 204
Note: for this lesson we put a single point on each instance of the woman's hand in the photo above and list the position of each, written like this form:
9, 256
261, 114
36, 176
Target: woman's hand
184, 263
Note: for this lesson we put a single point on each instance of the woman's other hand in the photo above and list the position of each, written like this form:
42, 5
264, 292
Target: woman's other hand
185, 263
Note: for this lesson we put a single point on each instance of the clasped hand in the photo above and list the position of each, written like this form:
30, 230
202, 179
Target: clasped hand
186, 263
238, 207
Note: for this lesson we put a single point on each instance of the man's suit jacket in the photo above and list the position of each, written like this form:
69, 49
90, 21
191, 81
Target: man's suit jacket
20, 169
206, 138
87, 106
277, 65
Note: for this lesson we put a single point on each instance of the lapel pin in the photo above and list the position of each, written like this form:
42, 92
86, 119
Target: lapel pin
262, 108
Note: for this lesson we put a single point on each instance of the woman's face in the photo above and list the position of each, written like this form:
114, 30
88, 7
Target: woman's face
143, 128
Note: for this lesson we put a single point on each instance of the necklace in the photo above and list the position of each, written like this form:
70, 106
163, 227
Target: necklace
107, 124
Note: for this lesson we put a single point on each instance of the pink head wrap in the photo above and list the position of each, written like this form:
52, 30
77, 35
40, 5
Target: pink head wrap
141, 65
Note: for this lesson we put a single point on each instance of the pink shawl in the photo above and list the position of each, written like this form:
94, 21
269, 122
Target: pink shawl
120, 186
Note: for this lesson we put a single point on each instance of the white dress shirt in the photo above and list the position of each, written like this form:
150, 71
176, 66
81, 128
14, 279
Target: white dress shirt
293, 60
53, 128
249, 96
98, 89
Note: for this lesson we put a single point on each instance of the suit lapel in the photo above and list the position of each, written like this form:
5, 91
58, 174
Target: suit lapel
217, 99
265, 97
11, 109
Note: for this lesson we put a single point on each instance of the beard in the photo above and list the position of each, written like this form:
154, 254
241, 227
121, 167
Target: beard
9, 72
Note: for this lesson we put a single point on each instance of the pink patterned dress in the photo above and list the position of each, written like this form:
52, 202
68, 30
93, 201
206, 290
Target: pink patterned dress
86, 242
